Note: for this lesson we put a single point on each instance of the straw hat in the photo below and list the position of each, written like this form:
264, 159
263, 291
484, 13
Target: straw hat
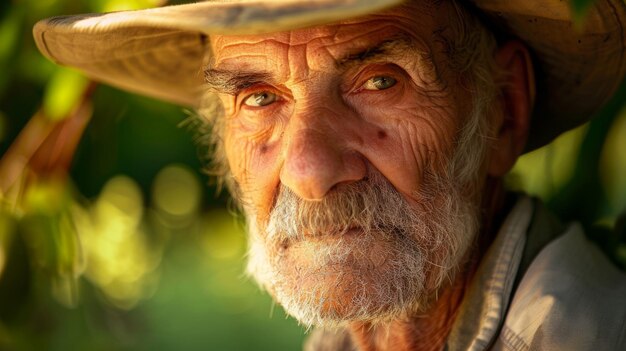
159, 52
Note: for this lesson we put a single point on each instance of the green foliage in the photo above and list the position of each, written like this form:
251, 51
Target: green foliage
122, 5
63, 93
10, 30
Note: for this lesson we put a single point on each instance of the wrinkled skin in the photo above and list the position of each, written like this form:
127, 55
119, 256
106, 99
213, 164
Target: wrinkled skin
326, 128
313, 124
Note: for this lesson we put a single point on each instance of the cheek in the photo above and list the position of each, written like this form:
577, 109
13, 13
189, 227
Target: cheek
254, 168
426, 136
410, 140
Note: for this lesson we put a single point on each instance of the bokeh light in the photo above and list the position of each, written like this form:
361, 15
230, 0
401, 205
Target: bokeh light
120, 259
613, 165
223, 237
176, 195
545, 170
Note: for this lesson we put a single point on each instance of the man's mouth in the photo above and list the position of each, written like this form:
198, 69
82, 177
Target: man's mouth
330, 234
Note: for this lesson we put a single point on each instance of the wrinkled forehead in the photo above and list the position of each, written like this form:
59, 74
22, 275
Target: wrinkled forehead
417, 20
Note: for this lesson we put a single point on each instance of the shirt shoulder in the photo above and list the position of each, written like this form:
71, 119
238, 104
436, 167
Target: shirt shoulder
570, 298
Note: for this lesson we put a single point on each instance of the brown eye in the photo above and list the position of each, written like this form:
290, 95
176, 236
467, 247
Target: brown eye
261, 99
379, 83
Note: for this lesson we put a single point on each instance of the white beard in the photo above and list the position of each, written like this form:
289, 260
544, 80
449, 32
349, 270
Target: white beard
402, 254
325, 275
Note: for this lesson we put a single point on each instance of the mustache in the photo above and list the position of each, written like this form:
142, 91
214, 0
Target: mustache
371, 204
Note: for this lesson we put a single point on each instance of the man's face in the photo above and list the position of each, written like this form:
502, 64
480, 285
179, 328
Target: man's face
340, 140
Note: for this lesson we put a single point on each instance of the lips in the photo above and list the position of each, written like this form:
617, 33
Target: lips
333, 232
322, 235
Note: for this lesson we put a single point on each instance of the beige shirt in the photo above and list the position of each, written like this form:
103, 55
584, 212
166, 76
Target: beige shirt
570, 297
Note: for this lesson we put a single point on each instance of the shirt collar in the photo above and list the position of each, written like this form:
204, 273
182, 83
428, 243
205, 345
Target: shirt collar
484, 306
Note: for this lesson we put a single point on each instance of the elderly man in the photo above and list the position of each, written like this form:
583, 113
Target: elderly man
366, 142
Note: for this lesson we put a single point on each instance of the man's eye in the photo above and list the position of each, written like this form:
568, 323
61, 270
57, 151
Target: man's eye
379, 83
263, 98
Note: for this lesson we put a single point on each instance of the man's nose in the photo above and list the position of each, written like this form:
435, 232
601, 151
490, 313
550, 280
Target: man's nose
317, 159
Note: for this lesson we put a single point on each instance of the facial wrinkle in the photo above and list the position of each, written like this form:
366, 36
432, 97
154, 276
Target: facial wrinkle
297, 61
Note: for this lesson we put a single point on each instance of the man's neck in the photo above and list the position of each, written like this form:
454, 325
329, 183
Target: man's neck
429, 330
424, 331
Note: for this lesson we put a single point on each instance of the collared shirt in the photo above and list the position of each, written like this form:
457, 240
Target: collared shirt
540, 286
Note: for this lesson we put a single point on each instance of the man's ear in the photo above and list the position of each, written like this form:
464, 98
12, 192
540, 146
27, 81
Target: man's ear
516, 83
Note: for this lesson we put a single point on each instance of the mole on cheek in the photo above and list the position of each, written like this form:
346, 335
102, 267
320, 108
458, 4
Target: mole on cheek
382, 134
263, 149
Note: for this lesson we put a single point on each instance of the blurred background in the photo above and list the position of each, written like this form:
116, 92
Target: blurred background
116, 240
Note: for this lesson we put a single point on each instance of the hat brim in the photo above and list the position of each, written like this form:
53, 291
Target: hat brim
160, 52
577, 68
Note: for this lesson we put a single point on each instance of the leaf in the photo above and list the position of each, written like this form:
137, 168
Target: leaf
51, 235
613, 165
63, 93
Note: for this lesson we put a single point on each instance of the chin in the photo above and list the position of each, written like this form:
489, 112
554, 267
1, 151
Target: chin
331, 280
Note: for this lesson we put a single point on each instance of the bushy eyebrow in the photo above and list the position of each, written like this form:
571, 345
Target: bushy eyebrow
233, 81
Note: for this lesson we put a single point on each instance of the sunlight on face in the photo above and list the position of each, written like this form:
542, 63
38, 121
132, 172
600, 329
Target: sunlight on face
341, 140
363, 253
